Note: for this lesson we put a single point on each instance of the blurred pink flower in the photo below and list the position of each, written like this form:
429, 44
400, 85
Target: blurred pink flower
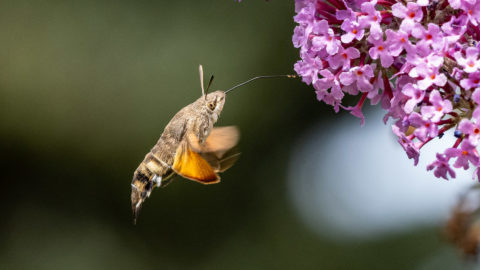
442, 167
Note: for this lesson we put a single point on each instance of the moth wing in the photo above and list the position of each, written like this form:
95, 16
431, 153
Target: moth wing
191, 165
220, 141
224, 163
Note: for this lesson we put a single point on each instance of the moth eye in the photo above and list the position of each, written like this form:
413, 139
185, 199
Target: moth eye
211, 106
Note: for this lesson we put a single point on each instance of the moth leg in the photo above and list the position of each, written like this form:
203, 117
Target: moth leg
166, 182
167, 178
157, 180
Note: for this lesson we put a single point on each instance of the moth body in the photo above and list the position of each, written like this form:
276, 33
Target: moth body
190, 146
182, 149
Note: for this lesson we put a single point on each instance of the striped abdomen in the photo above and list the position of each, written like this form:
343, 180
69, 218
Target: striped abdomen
155, 170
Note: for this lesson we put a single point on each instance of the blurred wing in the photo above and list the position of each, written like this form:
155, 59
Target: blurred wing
191, 165
224, 163
220, 140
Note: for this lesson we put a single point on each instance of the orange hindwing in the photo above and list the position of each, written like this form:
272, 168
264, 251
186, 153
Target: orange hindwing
191, 165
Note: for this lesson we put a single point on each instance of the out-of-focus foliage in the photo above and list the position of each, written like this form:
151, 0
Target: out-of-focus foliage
86, 88
463, 226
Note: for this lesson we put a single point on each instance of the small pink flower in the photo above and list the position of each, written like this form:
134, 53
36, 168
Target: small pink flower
416, 96
396, 107
352, 31
439, 107
424, 61
433, 36
465, 155
372, 19
472, 11
454, 28
470, 63
410, 148
329, 81
380, 50
410, 14
424, 128
442, 168
470, 129
426, 69
432, 77
360, 75
325, 38
473, 81
398, 41
343, 58
309, 68
305, 12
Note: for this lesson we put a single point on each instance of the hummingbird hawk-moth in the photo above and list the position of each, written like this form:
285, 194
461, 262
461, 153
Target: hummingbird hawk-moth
189, 146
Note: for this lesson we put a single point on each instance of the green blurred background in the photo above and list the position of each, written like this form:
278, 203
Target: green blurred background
86, 88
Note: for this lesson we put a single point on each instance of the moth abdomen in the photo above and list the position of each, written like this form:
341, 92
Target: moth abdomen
150, 173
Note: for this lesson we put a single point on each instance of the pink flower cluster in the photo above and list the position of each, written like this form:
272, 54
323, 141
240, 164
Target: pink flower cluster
419, 59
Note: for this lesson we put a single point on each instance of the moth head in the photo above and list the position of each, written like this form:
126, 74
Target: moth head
214, 102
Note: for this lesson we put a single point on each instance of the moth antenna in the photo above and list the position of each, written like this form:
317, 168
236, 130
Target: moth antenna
261, 77
209, 84
200, 70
